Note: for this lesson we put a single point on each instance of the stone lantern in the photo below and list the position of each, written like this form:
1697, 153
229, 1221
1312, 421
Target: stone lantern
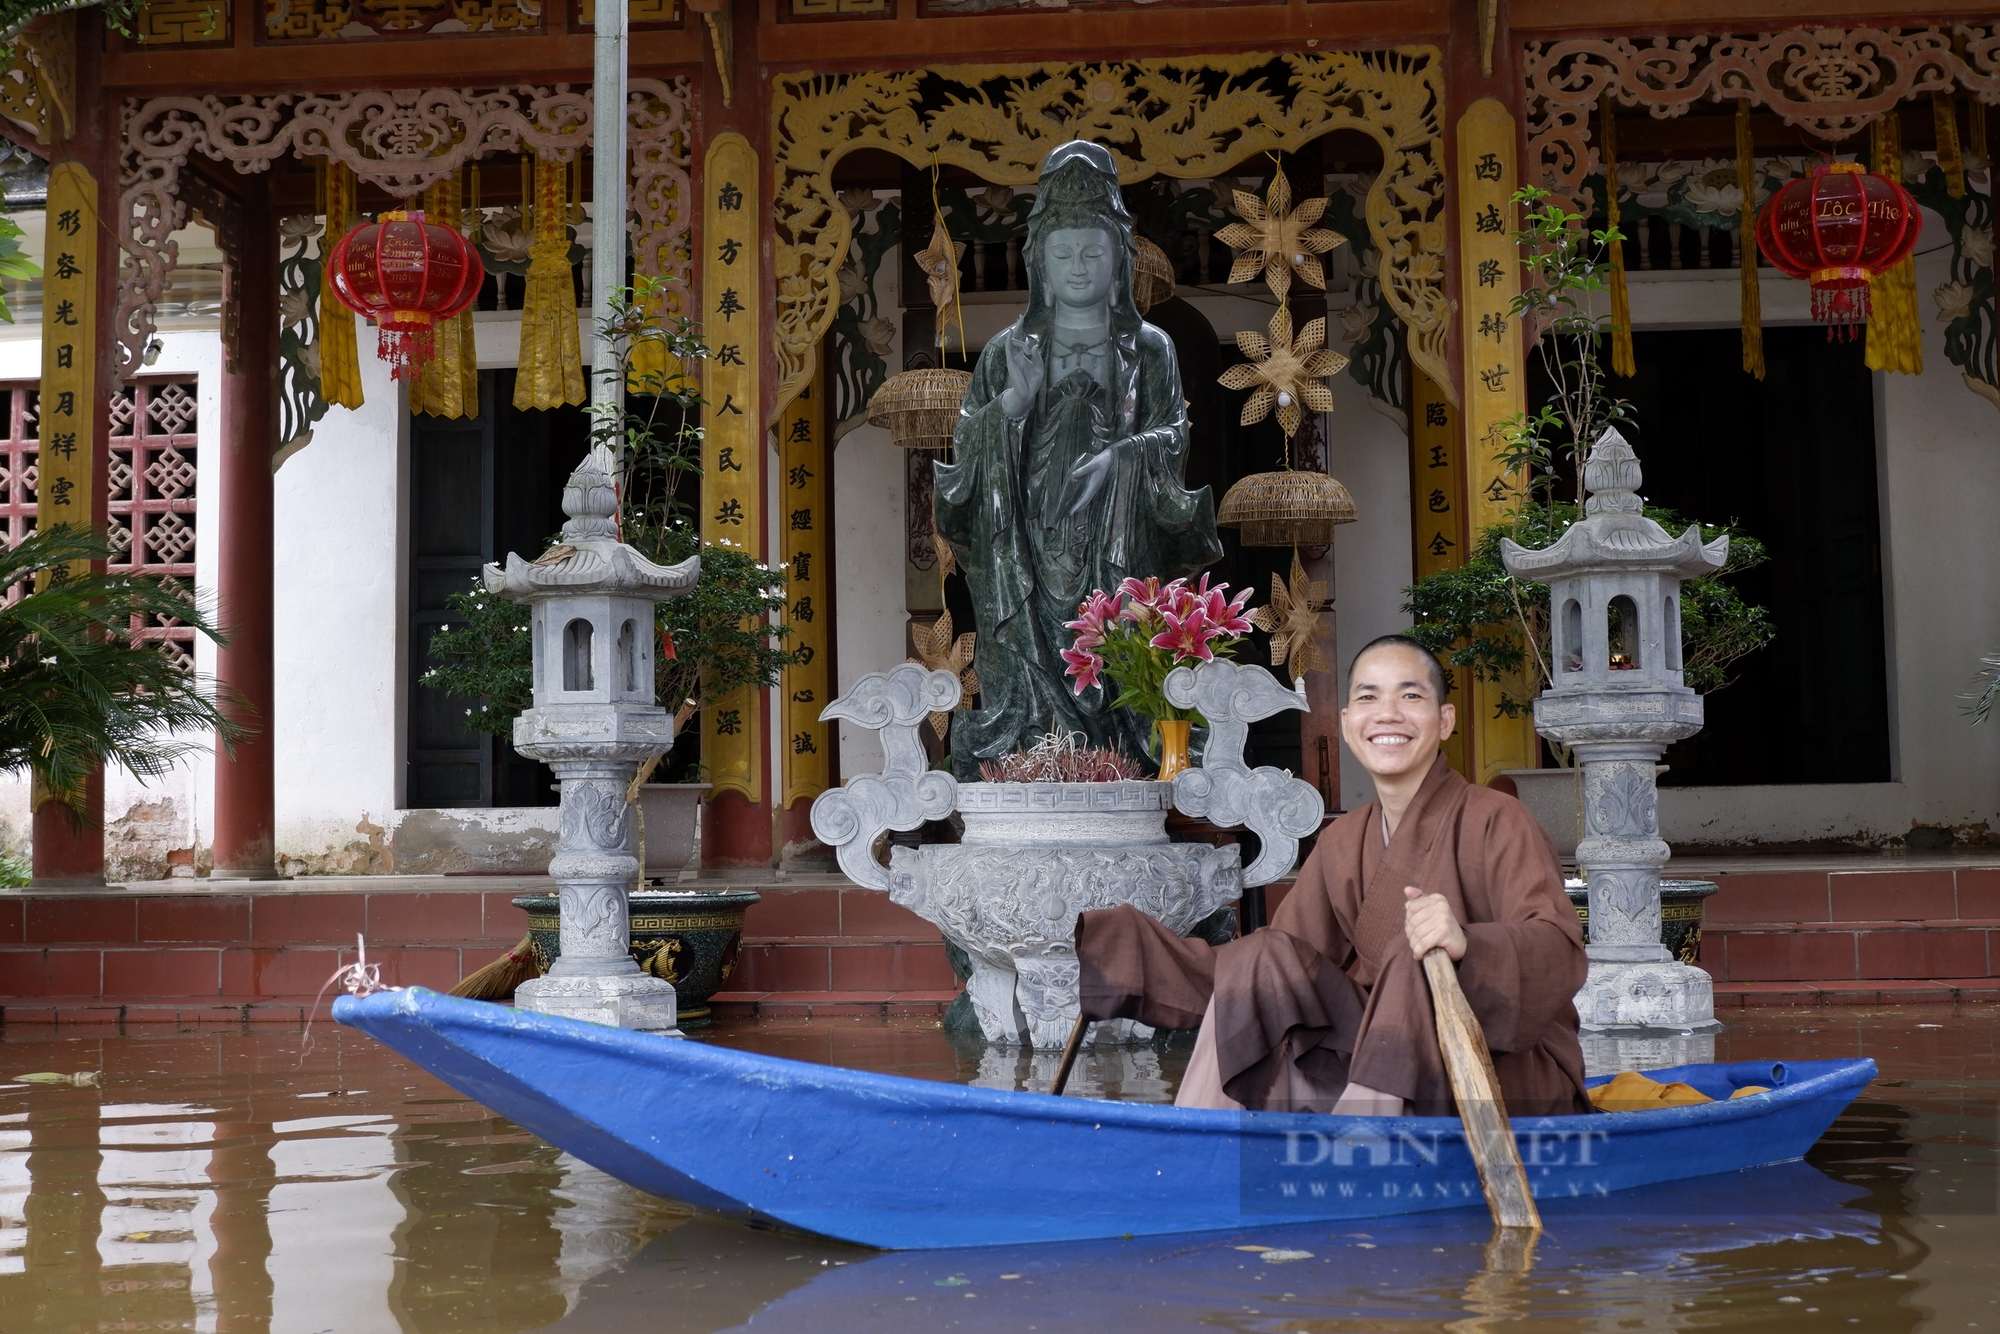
594, 722
1617, 701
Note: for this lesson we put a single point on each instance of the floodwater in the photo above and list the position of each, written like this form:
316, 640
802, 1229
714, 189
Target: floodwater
219, 1181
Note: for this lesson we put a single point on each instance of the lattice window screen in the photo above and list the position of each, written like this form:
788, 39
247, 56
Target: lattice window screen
18, 455
151, 488
152, 501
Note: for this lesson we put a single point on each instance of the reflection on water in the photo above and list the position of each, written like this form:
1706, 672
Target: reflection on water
213, 1181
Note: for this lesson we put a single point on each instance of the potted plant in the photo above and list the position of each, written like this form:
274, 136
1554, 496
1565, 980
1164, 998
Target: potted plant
1494, 627
1143, 631
720, 638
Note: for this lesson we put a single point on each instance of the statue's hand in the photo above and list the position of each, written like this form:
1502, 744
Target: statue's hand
1092, 472
1024, 377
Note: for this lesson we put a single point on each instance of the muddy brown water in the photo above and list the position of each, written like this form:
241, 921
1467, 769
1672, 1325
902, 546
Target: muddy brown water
215, 1181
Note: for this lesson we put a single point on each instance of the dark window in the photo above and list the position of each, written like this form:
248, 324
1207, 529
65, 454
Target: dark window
1792, 461
479, 488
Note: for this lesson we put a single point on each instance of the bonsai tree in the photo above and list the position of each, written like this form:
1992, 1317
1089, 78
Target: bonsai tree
1480, 618
80, 683
717, 639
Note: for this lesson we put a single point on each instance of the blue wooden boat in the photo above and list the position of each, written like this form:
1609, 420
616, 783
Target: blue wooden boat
910, 1164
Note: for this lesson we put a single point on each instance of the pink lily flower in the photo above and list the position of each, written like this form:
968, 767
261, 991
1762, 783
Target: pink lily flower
1084, 665
1187, 636
1095, 616
1140, 596
1227, 616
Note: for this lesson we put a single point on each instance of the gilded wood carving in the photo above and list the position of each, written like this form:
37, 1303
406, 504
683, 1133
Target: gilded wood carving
1189, 117
38, 87
404, 141
1831, 82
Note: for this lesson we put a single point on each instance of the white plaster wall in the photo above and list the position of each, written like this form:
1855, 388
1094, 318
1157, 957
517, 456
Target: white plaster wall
1372, 557
338, 560
869, 490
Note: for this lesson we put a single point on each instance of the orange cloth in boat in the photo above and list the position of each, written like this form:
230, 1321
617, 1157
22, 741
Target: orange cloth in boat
1631, 1091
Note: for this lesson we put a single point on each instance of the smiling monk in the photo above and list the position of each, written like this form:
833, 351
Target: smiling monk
1327, 1010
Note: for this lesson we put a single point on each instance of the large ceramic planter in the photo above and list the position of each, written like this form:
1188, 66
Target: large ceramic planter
1034, 856
1681, 904
670, 811
690, 938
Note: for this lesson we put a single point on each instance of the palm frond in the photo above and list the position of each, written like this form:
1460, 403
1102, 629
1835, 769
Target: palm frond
77, 688
1980, 706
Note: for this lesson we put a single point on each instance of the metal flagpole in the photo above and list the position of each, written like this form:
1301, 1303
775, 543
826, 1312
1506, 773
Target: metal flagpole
608, 238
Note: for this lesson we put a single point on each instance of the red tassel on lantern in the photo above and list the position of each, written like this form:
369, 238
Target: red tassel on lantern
405, 274
1838, 229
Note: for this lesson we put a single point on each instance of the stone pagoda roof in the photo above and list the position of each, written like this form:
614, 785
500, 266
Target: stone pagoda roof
1615, 536
590, 559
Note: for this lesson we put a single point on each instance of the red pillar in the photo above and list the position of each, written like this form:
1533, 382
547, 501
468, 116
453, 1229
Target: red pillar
69, 846
245, 782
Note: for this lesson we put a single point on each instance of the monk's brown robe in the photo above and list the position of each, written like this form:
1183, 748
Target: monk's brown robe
1331, 986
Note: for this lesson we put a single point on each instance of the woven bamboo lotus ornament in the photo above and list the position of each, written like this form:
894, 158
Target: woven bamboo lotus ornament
939, 261
919, 408
1294, 620
1284, 373
1152, 276
1286, 509
939, 650
1276, 241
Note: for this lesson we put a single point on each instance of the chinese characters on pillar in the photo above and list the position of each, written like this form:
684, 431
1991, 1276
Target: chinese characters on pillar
801, 525
732, 485
1489, 279
69, 360
1437, 504
1437, 479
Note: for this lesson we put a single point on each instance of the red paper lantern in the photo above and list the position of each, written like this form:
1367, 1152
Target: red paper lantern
405, 274
1838, 228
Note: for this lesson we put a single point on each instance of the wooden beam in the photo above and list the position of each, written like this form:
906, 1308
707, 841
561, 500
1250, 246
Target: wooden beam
1535, 18
444, 61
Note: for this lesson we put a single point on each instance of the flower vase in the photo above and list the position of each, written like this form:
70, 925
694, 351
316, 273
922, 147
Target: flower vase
1173, 746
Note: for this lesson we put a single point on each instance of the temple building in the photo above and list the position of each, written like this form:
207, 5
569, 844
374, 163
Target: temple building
183, 375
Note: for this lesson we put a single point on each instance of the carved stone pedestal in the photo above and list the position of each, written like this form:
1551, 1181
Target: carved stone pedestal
1034, 856
1653, 1049
633, 1001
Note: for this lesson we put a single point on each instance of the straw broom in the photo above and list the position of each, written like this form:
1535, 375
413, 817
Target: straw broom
497, 980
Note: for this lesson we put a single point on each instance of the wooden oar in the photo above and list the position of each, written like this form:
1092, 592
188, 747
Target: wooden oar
1477, 1090
1070, 1050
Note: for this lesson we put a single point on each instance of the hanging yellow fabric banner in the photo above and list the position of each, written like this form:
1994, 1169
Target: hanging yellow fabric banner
1944, 117
1895, 336
448, 384
339, 352
551, 364
1621, 299
1752, 297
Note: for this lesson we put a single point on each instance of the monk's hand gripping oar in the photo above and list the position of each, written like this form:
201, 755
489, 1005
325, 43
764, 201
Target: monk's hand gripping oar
1070, 1049
1473, 1084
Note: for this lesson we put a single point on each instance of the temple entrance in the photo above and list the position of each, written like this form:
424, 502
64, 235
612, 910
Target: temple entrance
1791, 460
479, 488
